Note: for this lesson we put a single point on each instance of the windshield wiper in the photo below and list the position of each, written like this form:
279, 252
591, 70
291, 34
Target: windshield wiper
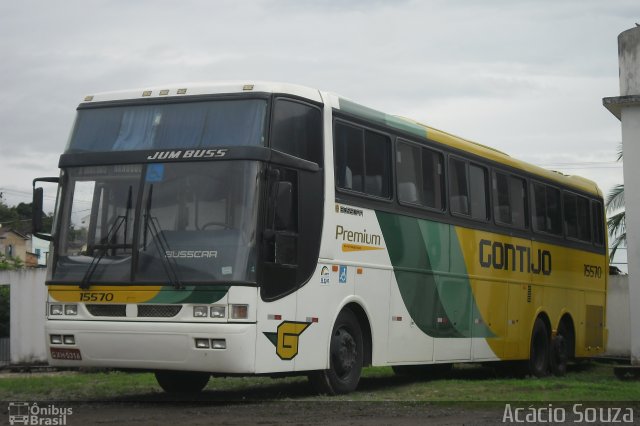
160, 242
106, 243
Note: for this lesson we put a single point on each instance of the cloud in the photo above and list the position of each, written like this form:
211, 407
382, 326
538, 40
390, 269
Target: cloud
508, 74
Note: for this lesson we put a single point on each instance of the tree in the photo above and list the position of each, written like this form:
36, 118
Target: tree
615, 205
10, 263
19, 218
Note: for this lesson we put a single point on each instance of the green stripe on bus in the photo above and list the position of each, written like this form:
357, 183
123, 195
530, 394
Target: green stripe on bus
191, 294
429, 268
382, 118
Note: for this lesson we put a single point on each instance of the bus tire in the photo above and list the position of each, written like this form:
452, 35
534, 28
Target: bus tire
562, 349
182, 382
539, 351
559, 356
345, 358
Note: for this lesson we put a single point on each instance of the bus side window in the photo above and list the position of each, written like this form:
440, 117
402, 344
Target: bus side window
478, 184
363, 160
546, 209
420, 179
408, 169
349, 141
468, 189
502, 202
518, 202
598, 223
433, 179
459, 192
576, 217
570, 215
377, 163
510, 196
297, 130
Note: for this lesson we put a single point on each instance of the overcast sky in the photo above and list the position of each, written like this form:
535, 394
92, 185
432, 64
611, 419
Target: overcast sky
526, 77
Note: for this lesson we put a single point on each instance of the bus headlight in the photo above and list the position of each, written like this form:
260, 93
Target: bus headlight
202, 343
55, 310
239, 311
218, 344
71, 309
218, 312
55, 339
200, 311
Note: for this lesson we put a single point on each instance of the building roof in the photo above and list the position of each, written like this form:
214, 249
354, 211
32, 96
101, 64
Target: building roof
5, 231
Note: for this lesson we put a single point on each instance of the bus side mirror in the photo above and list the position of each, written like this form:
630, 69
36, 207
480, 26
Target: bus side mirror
36, 219
37, 206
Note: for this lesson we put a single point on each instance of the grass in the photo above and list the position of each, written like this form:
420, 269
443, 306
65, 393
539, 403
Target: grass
594, 382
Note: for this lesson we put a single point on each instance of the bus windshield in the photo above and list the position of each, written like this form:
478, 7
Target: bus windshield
201, 124
186, 222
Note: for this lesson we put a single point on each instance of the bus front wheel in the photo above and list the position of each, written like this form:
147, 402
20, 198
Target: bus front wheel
182, 382
345, 358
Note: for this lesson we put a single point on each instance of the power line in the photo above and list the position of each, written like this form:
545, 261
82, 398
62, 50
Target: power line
23, 194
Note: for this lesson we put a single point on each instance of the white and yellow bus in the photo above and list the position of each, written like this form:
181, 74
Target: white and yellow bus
261, 228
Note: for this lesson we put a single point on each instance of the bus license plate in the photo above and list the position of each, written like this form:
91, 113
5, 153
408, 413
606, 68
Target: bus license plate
66, 354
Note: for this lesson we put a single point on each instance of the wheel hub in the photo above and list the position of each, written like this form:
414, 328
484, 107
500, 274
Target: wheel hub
345, 353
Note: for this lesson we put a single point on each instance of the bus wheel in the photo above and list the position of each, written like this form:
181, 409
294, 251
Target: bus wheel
345, 358
182, 381
560, 351
539, 352
559, 355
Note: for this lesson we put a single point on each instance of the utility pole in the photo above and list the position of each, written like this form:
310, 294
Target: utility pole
626, 108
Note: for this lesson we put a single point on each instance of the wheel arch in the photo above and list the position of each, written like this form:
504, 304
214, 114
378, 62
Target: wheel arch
547, 322
544, 316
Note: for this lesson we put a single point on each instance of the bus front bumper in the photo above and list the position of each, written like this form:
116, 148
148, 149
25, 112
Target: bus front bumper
152, 345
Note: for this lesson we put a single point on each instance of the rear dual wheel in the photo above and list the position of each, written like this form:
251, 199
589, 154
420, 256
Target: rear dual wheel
561, 350
549, 355
539, 351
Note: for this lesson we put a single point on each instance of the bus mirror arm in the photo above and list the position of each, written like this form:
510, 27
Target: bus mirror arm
37, 206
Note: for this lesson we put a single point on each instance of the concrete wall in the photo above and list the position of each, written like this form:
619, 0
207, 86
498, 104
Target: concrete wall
618, 323
28, 307
629, 61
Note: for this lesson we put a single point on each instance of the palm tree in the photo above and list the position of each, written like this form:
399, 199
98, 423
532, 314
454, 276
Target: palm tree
616, 222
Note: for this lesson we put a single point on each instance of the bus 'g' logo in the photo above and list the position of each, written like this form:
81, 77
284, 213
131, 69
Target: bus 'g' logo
287, 337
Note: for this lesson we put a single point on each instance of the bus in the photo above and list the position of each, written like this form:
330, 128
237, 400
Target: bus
254, 228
